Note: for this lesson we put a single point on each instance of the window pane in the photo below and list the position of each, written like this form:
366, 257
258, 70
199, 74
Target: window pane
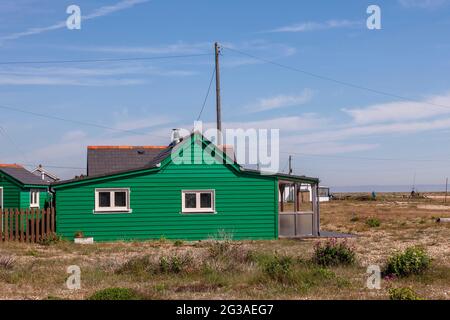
190, 200
104, 199
34, 197
120, 199
323, 192
205, 200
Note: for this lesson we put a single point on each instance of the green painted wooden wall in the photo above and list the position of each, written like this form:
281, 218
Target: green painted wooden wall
246, 205
11, 193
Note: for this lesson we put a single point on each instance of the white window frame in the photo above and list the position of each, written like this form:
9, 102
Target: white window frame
112, 209
198, 209
36, 195
1, 198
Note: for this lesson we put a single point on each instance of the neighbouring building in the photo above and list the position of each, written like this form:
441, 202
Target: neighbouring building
306, 194
44, 174
21, 189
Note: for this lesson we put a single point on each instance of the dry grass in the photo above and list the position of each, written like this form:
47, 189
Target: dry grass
233, 271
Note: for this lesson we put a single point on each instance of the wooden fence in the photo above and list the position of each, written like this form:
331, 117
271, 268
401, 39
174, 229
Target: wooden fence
30, 225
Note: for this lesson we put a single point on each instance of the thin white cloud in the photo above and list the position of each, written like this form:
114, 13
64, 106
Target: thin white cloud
104, 75
353, 132
143, 123
329, 148
401, 111
107, 10
316, 26
66, 81
74, 135
100, 12
285, 124
281, 101
425, 4
174, 48
259, 47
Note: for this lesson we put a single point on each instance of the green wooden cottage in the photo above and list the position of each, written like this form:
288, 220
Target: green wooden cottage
21, 189
190, 190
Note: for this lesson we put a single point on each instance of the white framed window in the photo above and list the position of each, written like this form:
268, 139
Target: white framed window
200, 201
112, 200
34, 199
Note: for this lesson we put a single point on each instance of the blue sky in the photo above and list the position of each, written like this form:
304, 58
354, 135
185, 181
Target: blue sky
345, 136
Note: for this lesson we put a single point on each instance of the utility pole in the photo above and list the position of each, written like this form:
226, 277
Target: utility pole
218, 110
290, 164
446, 190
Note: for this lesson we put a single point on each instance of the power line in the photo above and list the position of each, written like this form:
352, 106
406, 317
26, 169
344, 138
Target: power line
4, 133
105, 59
53, 166
43, 115
344, 83
207, 93
365, 158
285, 166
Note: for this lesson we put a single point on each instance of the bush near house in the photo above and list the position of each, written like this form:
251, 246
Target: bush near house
373, 222
175, 263
50, 239
115, 294
403, 294
278, 268
414, 260
334, 253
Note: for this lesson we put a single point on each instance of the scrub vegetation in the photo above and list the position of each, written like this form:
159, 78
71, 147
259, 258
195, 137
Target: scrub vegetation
410, 247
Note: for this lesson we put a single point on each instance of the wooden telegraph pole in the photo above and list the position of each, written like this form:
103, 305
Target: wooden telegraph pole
290, 164
218, 107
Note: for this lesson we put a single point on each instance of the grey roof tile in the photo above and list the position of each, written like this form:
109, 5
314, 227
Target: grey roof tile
104, 160
22, 175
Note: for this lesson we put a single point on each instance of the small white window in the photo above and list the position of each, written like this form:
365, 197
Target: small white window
34, 199
112, 200
198, 201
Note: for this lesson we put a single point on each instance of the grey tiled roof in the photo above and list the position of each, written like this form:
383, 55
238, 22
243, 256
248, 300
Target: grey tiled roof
105, 160
22, 175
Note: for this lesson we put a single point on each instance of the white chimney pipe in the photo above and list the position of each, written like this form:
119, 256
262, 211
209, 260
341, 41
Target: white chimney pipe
175, 138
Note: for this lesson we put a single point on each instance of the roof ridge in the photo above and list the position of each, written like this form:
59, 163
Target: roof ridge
11, 165
126, 147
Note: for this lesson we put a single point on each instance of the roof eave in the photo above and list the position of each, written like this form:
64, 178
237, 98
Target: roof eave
72, 182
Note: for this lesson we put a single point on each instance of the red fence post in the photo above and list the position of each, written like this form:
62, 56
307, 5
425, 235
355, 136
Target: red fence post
42, 224
27, 227
47, 220
53, 220
21, 225
11, 222
16, 229
33, 236
5, 223
1, 224
36, 212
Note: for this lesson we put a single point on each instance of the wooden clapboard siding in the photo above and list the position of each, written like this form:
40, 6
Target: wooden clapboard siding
246, 205
11, 193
